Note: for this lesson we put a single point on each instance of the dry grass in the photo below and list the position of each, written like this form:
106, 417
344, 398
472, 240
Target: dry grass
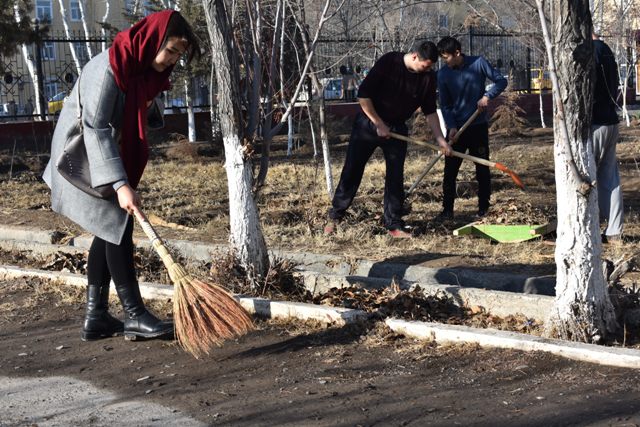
294, 203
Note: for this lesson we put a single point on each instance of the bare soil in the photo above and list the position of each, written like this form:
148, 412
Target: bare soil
294, 374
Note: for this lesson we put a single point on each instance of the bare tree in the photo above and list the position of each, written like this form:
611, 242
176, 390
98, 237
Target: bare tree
67, 32
289, 103
103, 30
85, 27
18, 11
582, 310
246, 237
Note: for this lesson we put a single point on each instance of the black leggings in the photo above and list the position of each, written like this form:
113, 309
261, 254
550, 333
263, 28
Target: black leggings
107, 260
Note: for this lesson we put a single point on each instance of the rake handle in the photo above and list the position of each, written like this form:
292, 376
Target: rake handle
437, 148
466, 125
439, 156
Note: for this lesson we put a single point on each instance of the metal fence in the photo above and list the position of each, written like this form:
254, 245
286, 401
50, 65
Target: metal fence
504, 51
53, 62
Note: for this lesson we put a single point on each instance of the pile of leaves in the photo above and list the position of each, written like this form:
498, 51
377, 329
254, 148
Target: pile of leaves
478, 318
393, 302
66, 263
508, 118
513, 212
279, 283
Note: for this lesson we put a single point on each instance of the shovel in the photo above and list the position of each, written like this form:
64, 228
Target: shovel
516, 179
439, 156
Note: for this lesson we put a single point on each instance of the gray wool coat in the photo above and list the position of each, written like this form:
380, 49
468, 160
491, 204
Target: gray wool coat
102, 110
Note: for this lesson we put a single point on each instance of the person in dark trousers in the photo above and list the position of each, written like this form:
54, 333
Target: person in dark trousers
604, 126
393, 90
117, 91
461, 87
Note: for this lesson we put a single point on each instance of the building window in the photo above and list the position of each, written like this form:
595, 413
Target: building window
81, 52
44, 10
48, 51
74, 9
50, 89
443, 21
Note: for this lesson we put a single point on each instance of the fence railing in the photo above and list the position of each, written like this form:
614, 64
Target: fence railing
55, 60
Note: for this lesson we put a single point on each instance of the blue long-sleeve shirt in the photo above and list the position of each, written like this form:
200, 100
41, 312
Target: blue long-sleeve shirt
461, 89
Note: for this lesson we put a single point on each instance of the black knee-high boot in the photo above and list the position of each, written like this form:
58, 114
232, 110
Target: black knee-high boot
139, 322
98, 323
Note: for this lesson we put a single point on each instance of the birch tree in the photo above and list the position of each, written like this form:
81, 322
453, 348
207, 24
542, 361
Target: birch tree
85, 27
246, 236
19, 12
67, 32
289, 103
582, 309
103, 30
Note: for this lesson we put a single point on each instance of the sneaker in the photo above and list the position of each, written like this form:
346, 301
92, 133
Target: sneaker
444, 216
401, 233
330, 228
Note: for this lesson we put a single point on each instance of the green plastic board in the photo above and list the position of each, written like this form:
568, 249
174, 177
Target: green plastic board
504, 233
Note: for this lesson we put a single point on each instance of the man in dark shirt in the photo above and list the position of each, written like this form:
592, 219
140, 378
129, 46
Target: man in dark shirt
393, 90
604, 126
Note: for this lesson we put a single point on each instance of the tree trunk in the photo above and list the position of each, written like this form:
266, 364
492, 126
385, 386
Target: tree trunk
107, 5
246, 237
582, 310
31, 66
65, 24
81, 5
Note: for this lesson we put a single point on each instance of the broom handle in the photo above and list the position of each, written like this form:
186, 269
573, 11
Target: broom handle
155, 240
437, 148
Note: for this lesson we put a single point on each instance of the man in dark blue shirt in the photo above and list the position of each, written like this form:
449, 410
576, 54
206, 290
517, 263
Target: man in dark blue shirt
393, 90
604, 125
461, 86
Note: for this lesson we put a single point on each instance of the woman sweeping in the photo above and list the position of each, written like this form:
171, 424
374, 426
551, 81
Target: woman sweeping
115, 97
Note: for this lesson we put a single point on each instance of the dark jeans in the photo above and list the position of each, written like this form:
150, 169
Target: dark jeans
107, 260
364, 140
476, 140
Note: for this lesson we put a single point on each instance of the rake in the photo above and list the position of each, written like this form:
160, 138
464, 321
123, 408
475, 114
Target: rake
516, 179
433, 161
205, 314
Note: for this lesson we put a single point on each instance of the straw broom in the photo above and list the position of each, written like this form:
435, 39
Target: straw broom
205, 314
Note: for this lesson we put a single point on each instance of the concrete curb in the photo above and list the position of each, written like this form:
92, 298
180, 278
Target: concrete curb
258, 306
498, 303
442, 333
326, 264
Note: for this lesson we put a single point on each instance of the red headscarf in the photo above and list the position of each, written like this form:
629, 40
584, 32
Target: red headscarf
131, 56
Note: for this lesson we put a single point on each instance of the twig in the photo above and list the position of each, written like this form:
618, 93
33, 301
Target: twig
13, 154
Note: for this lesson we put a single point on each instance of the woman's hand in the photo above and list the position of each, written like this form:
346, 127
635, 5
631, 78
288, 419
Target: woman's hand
129, 199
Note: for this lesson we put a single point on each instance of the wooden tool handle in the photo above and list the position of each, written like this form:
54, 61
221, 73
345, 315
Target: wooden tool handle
156, 241
466, 124
437, 148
